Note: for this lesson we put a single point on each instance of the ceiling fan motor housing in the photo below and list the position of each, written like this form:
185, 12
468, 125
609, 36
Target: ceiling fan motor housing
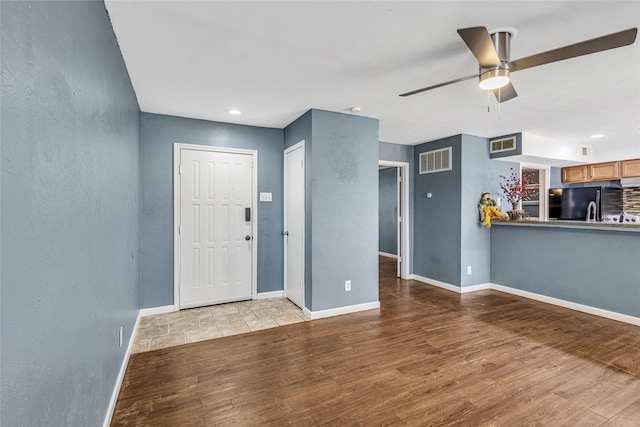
502, 43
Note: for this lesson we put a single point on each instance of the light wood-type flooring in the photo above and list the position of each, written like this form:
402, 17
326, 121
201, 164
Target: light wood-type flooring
427, 357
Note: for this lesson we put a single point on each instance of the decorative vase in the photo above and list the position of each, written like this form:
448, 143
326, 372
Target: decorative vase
514, 213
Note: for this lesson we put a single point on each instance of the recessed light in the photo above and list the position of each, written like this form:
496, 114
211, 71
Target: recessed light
597, 135
234, 111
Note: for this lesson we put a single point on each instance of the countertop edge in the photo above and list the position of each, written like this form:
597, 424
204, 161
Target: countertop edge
580, 225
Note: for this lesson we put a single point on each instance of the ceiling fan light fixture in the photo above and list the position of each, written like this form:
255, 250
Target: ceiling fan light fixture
494, 79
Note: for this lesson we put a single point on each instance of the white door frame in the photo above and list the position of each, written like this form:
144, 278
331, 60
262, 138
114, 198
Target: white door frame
403, 213
284, 246
545, 179
176, 213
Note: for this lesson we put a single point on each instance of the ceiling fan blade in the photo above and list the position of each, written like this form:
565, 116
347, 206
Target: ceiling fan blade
611, 41
461, 79
479, 42
505, 93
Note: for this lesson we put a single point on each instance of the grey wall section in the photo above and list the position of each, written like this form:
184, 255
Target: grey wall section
344, 209
437, 220
70, 188
300, 130
158, 134
395, 152
480, 174
562, 263
388, 210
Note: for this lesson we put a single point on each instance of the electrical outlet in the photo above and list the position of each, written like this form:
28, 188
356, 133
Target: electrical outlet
468, 270
347, 285
120, 337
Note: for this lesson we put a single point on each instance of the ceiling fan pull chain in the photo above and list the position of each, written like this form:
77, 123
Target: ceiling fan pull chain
488, 101
499, 103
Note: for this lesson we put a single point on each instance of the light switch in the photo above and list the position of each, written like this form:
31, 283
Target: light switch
265, 197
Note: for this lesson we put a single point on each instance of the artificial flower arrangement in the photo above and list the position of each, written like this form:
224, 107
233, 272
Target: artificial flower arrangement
516, 189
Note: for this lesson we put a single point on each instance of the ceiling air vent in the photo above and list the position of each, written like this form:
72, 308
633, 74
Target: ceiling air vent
435, 161
503, 144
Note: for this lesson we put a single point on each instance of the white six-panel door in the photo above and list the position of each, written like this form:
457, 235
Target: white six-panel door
215, 228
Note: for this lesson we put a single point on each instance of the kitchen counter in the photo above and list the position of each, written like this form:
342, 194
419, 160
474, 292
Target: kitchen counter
581, 225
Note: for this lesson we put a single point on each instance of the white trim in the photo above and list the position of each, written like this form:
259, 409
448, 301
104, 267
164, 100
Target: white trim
450, 287
545, 180
123, 368
625, 318
570, 305
475, 288
405, 248
176, 213
157, 310
340, 310
291, 149
272, 294
437, 283
388, 255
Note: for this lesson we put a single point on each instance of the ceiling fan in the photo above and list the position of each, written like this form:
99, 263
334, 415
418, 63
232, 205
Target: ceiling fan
495, 66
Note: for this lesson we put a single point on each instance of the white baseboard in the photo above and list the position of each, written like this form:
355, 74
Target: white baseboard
340, 310
625, 318
388, 255
157, 310
570, 305
123, 368
475, 288
433, 282
450, 287
272, 294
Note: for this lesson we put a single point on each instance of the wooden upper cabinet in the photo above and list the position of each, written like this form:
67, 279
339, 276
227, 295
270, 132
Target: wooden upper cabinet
630, 168
575, 174
604, 171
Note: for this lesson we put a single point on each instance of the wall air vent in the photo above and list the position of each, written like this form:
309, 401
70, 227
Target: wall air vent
586, 152
503, 144
435, 161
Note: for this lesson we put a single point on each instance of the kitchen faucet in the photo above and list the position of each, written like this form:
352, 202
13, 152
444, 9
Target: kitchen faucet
592, 204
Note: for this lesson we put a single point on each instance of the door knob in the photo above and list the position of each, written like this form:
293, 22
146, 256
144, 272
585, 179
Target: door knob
247, 237
285, 233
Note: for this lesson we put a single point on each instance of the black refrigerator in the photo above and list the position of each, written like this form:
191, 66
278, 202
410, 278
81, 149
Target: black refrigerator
572, 203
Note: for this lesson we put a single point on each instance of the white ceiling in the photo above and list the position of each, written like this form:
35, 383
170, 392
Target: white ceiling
275, 60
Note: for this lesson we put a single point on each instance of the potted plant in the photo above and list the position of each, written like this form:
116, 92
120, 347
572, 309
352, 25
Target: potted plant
516, 189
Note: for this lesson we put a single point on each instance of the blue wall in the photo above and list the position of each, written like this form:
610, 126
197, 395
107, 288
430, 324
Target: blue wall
597, 268
437, 220
480, 174
158, 134
388, 210
344, 209
70, 216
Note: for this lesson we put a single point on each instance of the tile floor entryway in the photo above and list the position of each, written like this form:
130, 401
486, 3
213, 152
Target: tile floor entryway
205, 323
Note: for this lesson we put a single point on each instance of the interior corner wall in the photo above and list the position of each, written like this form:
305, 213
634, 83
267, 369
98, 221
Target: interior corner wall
480, 174
158, 135
70, 130
437, 220
344, 209
300, 130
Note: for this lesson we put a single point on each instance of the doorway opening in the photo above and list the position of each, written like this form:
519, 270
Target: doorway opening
393, 187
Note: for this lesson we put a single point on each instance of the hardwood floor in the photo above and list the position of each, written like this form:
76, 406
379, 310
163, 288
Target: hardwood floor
426, 357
